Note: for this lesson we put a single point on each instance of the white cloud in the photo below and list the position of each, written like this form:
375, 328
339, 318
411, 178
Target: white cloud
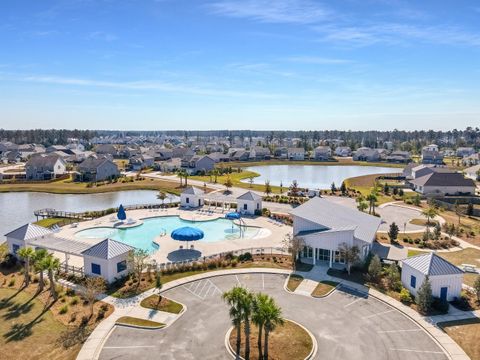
272, 11
149, 85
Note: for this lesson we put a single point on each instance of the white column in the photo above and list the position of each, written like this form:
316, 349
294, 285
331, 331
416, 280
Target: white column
331, 257
314, 255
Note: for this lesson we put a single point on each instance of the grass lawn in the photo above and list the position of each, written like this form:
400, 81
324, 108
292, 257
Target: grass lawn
324, 287
423, 222
286, 342
167, 305
29, 330
466, 333
49, 222
70, 187
293, 281
128, 320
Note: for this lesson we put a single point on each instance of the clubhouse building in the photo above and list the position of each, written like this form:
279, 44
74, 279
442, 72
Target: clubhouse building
324, 226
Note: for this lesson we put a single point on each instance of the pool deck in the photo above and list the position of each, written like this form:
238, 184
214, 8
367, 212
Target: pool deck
270, 234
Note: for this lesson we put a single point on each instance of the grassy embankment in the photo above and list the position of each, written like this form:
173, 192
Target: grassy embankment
70, 187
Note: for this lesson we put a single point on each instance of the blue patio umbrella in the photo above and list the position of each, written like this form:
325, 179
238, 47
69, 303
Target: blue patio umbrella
232, 216
121, 215
187, 233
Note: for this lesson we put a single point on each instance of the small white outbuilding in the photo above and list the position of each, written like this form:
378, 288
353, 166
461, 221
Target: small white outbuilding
192, 197
445, 278
249, 202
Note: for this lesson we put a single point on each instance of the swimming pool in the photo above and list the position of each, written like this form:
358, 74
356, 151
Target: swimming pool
142, 236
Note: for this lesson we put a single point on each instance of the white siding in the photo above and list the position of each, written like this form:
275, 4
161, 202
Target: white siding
251, 206
192, 200
108, 268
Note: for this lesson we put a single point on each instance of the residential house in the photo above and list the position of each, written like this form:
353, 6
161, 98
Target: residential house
107, 149
465, 151
249, 203
399, 157
198, 163
259, 153
280, 153
139, 162
170, 165
366, 154
45, 167
445, 278
100, 169
343, 151
442, 181
240, 155
219, 157
325, 225
471, 160
473, 172
296, 153
431, 155
322, 153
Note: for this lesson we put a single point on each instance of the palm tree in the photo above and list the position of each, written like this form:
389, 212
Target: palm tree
247, 309
234, 299
258, 318
39, 266
27, 254
372, 199
273, 318
185, 176
215, 174
180, 176
52, 264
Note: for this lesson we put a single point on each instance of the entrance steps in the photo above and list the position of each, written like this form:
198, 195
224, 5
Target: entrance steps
306, 287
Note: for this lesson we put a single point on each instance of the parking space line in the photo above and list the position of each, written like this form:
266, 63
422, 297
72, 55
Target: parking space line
395, 331
420, 351
205, 284
196, 288
192, 292
353, 302
377, 314
239, 283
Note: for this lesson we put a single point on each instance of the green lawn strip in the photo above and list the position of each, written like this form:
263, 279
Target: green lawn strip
423, 222
128, 320
293, 281
166, 305
49, 222
324, 288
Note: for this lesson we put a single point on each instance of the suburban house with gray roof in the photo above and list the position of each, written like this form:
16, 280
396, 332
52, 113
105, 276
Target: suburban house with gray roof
93, 169
445, 278
197, 163
324, 226
107, 259
441, 181
46, 167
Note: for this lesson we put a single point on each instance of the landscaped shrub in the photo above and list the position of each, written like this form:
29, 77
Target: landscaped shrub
63, 309
405, 296
462, 303
70, 292
440, 305
245, 257
74, 301
11, 282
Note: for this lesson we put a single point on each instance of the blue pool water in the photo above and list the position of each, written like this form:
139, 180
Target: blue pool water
142, 236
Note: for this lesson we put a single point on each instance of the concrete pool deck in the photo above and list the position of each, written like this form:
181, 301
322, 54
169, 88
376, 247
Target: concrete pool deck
269, 235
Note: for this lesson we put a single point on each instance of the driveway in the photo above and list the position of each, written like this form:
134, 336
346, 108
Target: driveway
346, 324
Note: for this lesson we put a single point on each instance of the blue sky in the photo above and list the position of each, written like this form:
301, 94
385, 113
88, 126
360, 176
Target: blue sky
228, 64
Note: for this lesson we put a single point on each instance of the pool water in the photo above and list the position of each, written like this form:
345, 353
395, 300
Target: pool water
142, 236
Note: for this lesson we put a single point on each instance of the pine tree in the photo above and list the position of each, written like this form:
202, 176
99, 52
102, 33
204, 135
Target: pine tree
375, 269
393, 232
424, 296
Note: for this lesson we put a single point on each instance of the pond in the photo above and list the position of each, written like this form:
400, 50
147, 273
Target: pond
314, 176
16, 208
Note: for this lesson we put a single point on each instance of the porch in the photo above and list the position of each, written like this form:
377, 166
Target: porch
325, 257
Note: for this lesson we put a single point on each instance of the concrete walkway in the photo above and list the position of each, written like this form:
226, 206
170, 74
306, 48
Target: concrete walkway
306, 287
93, 345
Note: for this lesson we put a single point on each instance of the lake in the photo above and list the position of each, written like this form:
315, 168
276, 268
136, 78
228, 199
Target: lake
16, 208
314, 176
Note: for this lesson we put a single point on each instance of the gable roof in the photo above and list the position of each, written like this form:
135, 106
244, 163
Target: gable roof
431, 264
193, 191
338, 217
28, 231
249, 196
47, 161
441, 178
108, 249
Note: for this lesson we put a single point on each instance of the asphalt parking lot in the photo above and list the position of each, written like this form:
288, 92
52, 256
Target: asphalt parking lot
346, 324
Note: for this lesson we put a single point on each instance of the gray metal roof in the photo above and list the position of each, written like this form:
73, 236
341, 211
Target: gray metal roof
108, 249
59, 244
193, 191
28, 231
338, 217
431, 264
249, 195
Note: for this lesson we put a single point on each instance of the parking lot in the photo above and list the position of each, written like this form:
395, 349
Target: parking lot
346, 325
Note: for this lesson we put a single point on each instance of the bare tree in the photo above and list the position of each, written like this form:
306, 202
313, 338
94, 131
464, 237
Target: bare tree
92, 288
137, 261
293, 244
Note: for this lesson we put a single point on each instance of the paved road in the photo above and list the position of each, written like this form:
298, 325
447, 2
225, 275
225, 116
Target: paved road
347, 325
